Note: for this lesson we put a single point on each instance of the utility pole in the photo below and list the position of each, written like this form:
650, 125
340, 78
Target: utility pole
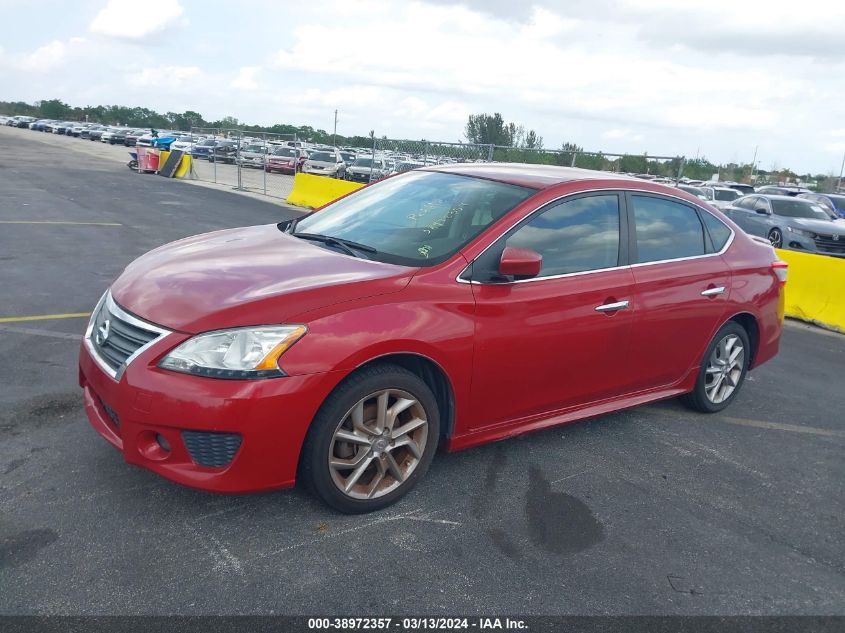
841, 169
754, 162
334, 134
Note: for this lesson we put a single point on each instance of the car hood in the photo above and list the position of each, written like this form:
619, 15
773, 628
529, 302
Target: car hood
819, 226
247, 276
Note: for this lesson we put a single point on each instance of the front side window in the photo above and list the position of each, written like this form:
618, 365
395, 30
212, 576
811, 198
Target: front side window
417, 219
666, 229
573, 236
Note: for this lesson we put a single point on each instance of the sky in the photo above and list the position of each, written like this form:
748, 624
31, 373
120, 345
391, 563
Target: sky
715, 78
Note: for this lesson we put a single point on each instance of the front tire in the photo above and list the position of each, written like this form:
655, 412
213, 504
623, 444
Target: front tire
722, 370
776, 238
372, 440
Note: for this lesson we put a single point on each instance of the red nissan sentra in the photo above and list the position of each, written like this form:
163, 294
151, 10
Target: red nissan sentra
445, 307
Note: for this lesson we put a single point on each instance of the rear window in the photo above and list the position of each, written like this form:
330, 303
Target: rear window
666, 230
719, 233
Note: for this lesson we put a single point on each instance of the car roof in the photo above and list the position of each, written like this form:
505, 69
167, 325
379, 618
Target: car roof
533, 176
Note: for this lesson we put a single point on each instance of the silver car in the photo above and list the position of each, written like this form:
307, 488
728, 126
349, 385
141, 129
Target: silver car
789, 222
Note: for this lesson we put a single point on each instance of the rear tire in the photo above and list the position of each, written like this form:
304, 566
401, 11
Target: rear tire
776, 238
372, 440
722, 370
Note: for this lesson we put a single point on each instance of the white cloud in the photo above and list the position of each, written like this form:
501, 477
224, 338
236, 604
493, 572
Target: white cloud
46, 58
134, 20
247, 78
164, 76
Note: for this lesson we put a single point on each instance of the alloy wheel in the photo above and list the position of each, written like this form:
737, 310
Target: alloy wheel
378, 444
776, 238
724, 369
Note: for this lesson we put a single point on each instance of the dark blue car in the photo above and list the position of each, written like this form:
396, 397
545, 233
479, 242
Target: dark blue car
834, 202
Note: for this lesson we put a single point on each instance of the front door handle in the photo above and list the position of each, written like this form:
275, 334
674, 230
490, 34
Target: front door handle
612, 307
712, 292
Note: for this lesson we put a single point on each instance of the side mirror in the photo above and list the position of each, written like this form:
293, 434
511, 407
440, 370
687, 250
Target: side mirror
520, 262
761, 211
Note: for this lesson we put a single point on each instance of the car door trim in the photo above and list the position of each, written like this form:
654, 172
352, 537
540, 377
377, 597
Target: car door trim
628, 218
712, 292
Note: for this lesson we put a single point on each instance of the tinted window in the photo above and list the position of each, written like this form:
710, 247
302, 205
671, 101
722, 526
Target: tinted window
573, 236
666, 230
719, 233
746, 203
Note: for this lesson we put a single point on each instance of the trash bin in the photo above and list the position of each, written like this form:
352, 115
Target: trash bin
148, 159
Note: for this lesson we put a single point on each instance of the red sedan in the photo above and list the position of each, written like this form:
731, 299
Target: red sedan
445, 307
286, 160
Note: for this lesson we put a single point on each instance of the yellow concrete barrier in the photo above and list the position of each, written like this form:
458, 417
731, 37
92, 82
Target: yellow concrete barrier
184, 164
815, 288
314, 191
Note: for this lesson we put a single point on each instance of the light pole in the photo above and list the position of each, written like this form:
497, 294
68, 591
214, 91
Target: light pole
334, 134
841, 169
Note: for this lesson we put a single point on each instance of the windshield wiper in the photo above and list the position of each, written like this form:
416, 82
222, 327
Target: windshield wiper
347, 246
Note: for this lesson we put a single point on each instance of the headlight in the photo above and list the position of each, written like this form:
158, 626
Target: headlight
239, 353
809, 234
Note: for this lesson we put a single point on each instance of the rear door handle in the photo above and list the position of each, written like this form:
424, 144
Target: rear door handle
712, 292
612, 307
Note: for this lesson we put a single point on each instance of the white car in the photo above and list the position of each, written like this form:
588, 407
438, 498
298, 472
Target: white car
325, 163
720, 197
185, 143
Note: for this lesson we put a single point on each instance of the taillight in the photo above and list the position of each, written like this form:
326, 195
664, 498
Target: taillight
780, 269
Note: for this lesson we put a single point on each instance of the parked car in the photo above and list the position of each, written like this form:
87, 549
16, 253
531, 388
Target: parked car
789, 222
833, 202
431, 309
203, 148
364, 169
224, 152
77, 128
23, 121
741, 187
185, 143
325, 163
96, 133
782, 190
253, 155
695, 191
118, 137
131, 139
286, 160
720, 196
87, 132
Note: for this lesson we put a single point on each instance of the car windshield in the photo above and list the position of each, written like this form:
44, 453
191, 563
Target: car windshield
323, 157
362, 162
726, 195
208, 142
254, 148
839, 201
418, 219
348, 157
284, 151
799, 209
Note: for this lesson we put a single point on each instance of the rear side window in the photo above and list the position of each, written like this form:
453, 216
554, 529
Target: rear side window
719, 233
666, 229
574, 236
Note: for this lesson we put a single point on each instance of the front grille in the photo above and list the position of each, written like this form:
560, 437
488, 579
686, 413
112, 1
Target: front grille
117, 335
826, 244
213, 450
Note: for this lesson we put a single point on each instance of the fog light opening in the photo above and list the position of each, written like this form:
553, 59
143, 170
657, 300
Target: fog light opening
162, 442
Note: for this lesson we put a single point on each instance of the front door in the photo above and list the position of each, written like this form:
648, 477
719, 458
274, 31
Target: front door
560, 339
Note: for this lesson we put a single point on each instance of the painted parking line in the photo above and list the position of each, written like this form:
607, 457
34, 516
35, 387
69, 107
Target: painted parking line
44, 317
36, 332
60, 222
757, 424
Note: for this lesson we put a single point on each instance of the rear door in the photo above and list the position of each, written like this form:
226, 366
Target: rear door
559, 339
682, 286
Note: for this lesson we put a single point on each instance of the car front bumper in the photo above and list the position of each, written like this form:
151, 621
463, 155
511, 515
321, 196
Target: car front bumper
264, 420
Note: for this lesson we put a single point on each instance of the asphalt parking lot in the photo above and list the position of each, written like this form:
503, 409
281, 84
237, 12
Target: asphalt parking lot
654, 510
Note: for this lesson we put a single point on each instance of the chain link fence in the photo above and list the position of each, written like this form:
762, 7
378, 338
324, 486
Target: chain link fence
258, 162
266, 163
